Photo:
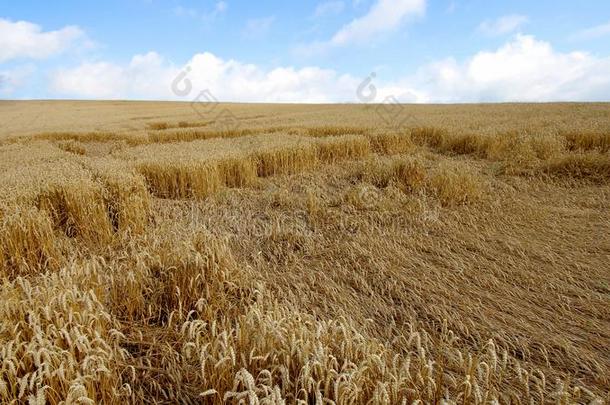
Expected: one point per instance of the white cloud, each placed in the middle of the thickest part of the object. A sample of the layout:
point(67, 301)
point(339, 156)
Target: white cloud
point(150, 77)
point(22, 39)
point(451, 7)
point(329, 8)
point(142, 77)
point(257, 28)
point(384, 16)
point(594, 32)
point(523, 69)
point(503, 25)
point(181, 11)
point(219, 8)
point(12, 79)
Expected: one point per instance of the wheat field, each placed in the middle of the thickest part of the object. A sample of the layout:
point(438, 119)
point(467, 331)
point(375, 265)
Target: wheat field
point(153, 253)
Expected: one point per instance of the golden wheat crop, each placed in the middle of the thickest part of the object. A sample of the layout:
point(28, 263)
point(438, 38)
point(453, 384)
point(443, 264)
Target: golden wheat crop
point(311, 254)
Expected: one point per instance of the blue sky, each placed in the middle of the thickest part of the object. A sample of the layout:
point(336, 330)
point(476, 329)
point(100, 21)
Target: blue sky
point(308, 51)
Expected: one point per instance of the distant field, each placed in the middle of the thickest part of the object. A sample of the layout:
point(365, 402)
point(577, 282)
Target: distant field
point(178, 253)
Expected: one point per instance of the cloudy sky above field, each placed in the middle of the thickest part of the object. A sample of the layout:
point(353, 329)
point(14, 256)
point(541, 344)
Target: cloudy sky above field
point(307, 51)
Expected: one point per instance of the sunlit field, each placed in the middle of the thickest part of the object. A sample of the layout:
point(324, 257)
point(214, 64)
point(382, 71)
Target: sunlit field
point(321, 254)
